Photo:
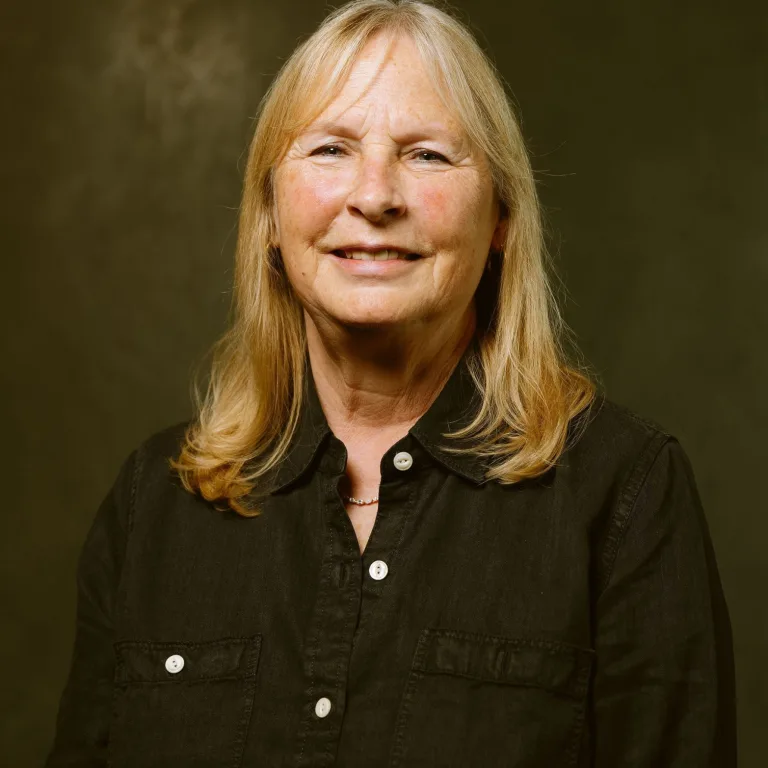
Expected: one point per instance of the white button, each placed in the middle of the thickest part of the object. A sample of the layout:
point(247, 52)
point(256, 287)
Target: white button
point(403, 460)
point(378, 569)
point(174, 663)
point(323, 707)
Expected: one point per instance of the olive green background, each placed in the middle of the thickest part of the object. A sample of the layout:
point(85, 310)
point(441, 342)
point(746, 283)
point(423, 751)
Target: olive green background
point(124, 130)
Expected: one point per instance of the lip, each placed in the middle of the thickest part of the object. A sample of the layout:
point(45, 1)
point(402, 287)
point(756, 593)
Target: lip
point(373, 268)
point(373, 248)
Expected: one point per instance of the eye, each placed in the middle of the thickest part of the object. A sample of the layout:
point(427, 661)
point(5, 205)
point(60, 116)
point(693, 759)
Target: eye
point(328, 150)
point(428, 156)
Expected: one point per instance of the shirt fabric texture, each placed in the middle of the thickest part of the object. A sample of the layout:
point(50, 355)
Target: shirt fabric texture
point(573, 619)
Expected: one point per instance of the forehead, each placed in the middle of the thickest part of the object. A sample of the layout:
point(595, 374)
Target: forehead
point(388, 78)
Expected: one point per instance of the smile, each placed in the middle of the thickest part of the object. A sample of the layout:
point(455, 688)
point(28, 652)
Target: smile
point(377, 255)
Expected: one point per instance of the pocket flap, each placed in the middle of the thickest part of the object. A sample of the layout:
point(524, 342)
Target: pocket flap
point(544, 664)
point(155, 662)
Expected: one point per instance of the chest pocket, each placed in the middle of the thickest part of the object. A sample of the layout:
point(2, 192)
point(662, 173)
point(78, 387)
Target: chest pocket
point(182, 704)
point(479, 701)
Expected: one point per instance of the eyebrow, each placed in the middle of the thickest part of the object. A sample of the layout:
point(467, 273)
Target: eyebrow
point(428, 131)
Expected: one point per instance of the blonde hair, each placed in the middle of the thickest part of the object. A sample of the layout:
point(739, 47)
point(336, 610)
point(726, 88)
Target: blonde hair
point(529, 390)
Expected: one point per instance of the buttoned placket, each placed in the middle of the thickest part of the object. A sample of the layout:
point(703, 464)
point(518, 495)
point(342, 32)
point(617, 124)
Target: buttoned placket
point(350, 586)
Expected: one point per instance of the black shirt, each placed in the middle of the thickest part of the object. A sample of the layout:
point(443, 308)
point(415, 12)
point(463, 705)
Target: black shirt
point(574, 619)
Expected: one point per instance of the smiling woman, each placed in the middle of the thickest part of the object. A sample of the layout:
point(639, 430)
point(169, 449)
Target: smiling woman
point(382, 192)
point(388, 129)
point(402, 529)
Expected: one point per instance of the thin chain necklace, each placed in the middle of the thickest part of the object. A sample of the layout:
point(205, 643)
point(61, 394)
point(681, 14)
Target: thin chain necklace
point(359, 502)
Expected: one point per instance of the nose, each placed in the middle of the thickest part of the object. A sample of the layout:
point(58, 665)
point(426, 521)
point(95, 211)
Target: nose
point(376, 194)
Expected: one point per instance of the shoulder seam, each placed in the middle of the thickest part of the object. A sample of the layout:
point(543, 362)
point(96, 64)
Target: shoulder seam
point(625, 507)
point(648, 423)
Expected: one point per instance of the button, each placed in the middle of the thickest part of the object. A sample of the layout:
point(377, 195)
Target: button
point(322, 707)
point(403, 460)
point(174, 663)
point(378, 570)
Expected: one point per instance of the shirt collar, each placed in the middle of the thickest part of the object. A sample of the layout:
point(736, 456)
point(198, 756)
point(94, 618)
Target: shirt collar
point(451, 410)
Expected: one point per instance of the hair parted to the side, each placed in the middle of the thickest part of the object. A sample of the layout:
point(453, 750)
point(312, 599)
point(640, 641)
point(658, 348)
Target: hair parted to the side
point(530, 388)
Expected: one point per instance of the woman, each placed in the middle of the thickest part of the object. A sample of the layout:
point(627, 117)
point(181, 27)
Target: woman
point(401, 530)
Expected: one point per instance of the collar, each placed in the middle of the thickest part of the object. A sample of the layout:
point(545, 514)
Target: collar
point(451, 410)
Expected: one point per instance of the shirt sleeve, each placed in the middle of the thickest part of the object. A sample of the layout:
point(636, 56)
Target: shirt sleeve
point(82, 725)
point(664, 690)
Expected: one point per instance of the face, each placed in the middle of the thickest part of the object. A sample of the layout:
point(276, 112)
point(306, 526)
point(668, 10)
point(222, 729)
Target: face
point(386, 171)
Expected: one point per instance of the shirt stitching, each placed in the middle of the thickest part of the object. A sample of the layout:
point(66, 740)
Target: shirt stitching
point(626, 507)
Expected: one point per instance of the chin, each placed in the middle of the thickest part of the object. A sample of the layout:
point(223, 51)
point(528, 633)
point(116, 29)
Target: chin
point(370, 319)
point(369, 322)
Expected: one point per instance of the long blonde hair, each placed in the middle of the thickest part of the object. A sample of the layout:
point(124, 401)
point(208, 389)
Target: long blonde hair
point(529, 389)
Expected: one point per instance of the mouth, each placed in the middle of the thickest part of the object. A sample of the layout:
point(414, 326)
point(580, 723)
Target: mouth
point(383, 255)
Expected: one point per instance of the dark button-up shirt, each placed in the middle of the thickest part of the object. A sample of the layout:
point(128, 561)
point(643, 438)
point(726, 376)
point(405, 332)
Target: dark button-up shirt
point(574, 619)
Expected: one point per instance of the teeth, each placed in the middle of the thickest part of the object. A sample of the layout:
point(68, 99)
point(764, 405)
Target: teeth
point(376, 256)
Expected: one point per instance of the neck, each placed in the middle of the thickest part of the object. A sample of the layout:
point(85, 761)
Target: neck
point(382, 381)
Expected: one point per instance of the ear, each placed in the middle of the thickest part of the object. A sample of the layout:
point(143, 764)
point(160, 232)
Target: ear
point(275, 241)
point(499, 237)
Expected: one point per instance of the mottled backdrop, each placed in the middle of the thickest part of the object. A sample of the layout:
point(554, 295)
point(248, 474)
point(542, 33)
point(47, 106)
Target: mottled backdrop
point(125, 125)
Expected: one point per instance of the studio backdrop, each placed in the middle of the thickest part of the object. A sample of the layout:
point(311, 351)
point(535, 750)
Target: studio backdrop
point(125, 125)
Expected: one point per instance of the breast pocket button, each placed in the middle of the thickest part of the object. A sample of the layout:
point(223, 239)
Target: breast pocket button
point(174, 663)
point(322, 707)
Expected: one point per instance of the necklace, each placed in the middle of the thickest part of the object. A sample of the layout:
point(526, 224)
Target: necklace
point(359, 502)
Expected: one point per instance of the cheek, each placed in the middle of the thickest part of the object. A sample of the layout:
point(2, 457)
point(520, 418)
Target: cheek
point(455, 233)
point(434, 201)
point(455, 216)
point(305, 205)
point(444, 218)
point(453, 211)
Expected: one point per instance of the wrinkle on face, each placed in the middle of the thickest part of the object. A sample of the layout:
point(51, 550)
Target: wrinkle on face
point(446, 211)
